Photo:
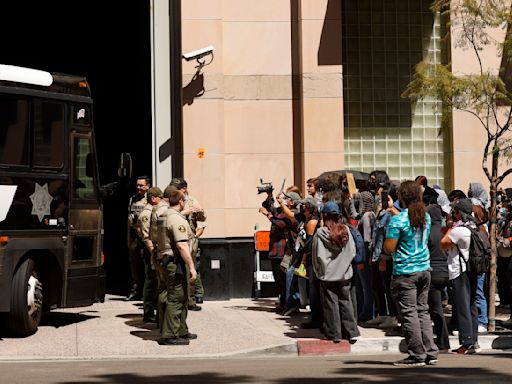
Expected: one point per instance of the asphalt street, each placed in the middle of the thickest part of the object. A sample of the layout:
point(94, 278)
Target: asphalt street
point(484, 368)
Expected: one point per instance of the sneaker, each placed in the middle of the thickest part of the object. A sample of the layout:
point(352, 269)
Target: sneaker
point(293, 309)
point(379, 319)
point(464, 350)
point(390, 322)
point(431, 360)
point(409, 361)
point(189, 336)
point(354, 339)
point(173, 341)
point(482, 328)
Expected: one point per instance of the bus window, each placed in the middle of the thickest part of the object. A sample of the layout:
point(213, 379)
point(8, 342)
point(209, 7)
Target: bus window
point(83, 181)
point(48, 134)
point(13, 131)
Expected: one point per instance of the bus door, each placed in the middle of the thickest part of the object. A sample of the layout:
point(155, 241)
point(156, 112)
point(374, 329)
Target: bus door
point(85, 222)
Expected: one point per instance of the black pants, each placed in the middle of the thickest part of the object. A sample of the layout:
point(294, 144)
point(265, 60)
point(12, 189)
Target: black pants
point(466, 312)
point(437, 287)
point(280, 280)
point(381, 284)
point(503, 273)
point(339, 319)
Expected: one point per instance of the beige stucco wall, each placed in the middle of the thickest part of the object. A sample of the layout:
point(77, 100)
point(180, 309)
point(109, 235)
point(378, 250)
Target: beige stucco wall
point(468, 136)
point(244, 120)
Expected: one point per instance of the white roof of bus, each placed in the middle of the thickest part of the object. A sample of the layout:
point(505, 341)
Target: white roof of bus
point(25, 75)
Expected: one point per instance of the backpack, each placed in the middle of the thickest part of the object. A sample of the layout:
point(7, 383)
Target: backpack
point(479, 252)
point(359, 242)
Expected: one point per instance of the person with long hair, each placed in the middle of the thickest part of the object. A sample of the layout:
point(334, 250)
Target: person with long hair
point(333, 252)
point(407, 242)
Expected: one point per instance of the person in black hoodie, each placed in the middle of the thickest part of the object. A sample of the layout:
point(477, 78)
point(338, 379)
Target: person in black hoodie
point(439, 278)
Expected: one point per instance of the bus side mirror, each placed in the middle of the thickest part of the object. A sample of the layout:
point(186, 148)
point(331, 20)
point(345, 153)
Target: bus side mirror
point(125, 166)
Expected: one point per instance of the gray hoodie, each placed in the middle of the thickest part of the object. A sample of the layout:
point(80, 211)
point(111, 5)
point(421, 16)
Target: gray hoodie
point(330, 262)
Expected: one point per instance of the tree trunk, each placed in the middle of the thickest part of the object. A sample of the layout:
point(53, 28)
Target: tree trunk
point(492, 270)
point(492, 237)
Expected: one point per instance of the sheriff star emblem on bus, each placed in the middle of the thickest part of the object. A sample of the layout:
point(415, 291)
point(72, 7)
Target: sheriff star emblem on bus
point(41, 201)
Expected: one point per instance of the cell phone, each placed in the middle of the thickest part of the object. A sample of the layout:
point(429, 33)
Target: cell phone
point(384, 199)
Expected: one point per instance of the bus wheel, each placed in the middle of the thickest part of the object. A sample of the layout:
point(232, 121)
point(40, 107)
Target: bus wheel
point(26, 300)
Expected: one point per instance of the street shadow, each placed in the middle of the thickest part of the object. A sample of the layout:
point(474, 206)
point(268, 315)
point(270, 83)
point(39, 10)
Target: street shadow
point(62, 319)
point(373, 372)
point(202, 377)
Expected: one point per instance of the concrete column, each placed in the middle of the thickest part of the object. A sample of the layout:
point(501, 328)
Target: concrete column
point(321, 79)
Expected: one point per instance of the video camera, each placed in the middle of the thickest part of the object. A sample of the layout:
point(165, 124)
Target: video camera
point(265, 187)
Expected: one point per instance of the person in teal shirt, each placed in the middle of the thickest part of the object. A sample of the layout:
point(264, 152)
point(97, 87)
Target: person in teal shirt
point(407, 242)
point(411, 253)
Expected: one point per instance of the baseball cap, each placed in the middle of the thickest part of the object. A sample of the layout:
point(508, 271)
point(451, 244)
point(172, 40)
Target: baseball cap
point(331, 208)
point(154, 192)
point(465, 207)
point(293, 196)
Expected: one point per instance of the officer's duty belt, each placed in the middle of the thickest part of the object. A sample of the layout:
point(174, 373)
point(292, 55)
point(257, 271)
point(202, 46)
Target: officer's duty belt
point(168, 259)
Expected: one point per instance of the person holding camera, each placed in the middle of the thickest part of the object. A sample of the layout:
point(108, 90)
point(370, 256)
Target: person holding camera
point(305, 221)
point(280, 246)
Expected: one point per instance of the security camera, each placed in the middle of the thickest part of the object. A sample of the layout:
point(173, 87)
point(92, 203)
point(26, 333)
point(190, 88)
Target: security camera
point(198, 53)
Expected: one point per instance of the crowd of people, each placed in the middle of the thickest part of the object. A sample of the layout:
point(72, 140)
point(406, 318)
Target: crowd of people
point(163, 232)
point(391, 255)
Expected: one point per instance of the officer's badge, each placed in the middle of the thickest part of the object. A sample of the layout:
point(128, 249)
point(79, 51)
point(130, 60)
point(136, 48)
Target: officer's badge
point(181, 228)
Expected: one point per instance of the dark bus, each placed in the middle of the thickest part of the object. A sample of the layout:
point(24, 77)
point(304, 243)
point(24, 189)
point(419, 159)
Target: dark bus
point(51, 218)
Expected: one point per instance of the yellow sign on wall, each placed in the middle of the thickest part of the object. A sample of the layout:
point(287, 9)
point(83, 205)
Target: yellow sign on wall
point(200, 153)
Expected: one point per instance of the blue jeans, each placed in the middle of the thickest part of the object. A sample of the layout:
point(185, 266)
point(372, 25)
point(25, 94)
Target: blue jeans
point(365, 303)
point(481, 301)
point(296, 289)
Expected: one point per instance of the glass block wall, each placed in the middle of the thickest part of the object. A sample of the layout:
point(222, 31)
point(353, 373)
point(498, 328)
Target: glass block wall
point(383, 40)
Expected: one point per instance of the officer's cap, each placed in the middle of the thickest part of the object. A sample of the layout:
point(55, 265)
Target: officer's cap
point(154, 192)
point(179, 182)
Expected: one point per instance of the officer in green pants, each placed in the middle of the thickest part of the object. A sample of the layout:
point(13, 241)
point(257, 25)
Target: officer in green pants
point(176, 260)
point(196, 217)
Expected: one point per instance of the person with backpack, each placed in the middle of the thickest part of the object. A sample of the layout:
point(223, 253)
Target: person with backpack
point(333, 251)
point(460, 240)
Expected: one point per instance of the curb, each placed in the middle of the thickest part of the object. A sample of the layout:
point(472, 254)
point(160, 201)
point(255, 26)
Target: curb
point(297, 348)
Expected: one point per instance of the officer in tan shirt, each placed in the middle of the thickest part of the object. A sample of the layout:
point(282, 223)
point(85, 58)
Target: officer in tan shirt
point(148, 235)
point(196, 217)
point(174, 255)
point(135, 245)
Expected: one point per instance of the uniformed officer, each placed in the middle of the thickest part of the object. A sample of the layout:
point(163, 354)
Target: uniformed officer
point(174, 255)
point(135, 245)
point(197, 220)
point(148, 231)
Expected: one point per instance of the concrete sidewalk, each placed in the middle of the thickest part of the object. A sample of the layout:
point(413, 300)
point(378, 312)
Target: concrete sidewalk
point(238, 327)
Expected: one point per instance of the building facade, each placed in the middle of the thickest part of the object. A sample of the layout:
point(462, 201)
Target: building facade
point(299, 87)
